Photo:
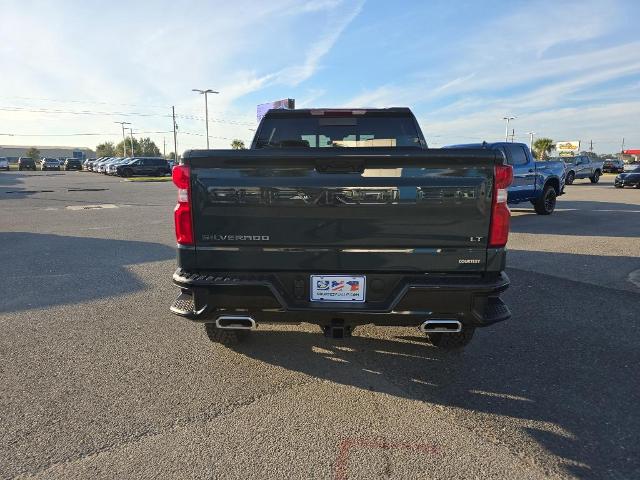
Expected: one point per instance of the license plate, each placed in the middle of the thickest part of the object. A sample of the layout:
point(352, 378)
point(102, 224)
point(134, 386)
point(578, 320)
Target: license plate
point(337, 288)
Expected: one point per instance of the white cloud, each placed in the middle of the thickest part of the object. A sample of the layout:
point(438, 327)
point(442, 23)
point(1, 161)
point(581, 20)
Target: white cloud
point(154, 57)
point(295, 75)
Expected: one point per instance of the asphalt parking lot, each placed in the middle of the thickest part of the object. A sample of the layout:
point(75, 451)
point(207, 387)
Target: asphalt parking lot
point(99, 380)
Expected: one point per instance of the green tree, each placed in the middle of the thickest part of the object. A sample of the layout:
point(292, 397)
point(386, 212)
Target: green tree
point(143, 147)
point(543, 146)
point(106, 149)
point(172, 155)
point(123, 149)
point(237, 144)
point(148, 148)
point(34, 153)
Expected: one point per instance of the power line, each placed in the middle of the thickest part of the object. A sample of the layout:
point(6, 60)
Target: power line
point(113, 134)
point(90, 102)
point(126, 114)
point(84, 102)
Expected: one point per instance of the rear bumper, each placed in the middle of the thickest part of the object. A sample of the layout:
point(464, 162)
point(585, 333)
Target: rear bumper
point(392, 299)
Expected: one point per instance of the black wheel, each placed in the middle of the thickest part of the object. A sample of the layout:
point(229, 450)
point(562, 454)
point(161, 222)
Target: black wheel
point(160, 173)
point(19, 169)
point(570, 178)
point(596, 177)
point(547, 201)
point(225, 336)
point(127, 172)
point(617, 186)
point(451, 341)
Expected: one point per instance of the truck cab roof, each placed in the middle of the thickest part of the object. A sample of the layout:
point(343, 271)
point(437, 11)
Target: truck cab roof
point(486, 145)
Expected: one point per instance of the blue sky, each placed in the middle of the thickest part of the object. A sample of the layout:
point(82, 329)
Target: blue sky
point(566, 70)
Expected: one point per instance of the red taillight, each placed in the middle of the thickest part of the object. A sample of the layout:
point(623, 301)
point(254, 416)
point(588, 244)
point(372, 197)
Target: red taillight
point(182, 212)
point(180, 176)
point(500, 214)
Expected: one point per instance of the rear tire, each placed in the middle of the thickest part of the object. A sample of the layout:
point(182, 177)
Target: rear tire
point(546, 204)
point(570, 178)
point(596, 177)
point(451, 341)
point(127, 173)
point(225, 336)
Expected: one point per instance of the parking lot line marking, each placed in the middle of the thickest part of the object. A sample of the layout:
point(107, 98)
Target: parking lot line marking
point(621, 211)
point(91, 207)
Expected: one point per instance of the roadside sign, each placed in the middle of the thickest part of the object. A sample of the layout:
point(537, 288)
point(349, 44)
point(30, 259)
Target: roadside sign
point(568, 148)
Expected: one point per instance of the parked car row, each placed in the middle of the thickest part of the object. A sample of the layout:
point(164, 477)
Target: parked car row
point(129, 166)
point(4, 163)
point(28, 163)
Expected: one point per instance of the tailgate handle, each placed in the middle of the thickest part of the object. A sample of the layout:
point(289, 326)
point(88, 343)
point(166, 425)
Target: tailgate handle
point(340, 166)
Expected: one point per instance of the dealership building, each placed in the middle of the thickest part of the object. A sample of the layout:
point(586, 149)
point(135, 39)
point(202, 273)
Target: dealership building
point(631, 156)
point(13, 152)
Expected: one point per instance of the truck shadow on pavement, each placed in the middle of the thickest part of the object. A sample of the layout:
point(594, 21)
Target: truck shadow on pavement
point(581, 218)
point(44, 270)
point(11, 186)
point(556, 371)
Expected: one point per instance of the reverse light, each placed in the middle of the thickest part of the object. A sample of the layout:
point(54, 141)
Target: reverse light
point(500, 213)
point(182, 213)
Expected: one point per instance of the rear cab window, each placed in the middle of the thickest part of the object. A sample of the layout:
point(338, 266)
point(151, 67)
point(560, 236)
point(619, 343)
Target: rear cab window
point(517, 156)
point(333, 131)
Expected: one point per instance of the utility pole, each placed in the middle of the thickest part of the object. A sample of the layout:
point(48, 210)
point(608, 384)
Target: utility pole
point(506, 129)
point(531, 134)
point(175, 136)
point(591, 145)
point(206, 108)
point(164, 147)
point(622, 146)
point(513, 134)
point(132, 151)
point(124, 142)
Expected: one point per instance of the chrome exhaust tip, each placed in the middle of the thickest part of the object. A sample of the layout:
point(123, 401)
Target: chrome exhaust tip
point(441, 326)
point(234, 322)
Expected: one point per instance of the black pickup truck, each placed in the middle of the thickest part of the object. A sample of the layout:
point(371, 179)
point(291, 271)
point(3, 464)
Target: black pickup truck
point(342, 218)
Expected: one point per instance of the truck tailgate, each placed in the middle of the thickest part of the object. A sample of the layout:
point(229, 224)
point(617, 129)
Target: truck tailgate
point(328, 211)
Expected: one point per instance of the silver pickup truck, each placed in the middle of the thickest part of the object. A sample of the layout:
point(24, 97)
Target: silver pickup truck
point(582, 166)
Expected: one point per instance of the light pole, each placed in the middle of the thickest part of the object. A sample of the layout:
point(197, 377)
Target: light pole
point(206, 108)
point(531, 134)
point(124, 143)
point(175, 135)
point(506, 130)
